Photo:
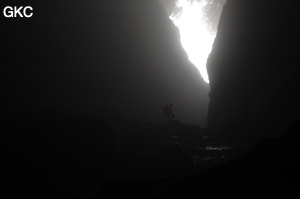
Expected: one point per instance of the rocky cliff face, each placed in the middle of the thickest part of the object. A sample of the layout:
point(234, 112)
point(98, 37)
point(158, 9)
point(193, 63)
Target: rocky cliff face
point(254, 70)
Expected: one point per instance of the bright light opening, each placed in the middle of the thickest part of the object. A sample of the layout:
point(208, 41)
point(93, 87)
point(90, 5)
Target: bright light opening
point(195, 36)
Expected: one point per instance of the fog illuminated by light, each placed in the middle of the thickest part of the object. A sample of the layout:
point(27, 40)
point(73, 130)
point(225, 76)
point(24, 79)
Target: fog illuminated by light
point(195, 36)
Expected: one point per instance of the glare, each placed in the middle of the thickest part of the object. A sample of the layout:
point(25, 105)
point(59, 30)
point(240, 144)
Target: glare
point(195, 36)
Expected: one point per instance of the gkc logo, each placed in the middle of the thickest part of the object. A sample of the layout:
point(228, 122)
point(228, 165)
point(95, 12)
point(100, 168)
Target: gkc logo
point(15, 11)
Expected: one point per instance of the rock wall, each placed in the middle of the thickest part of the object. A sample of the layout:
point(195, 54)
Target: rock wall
point(254, 70)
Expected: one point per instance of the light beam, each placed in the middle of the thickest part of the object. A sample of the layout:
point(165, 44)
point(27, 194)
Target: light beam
point(196, 39)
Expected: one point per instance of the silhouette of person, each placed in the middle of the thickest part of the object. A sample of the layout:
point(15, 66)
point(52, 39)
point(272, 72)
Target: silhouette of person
point(168, 111)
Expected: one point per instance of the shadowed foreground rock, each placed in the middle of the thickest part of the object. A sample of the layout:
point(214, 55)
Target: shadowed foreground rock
point(53, 154)
point(269, 170)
